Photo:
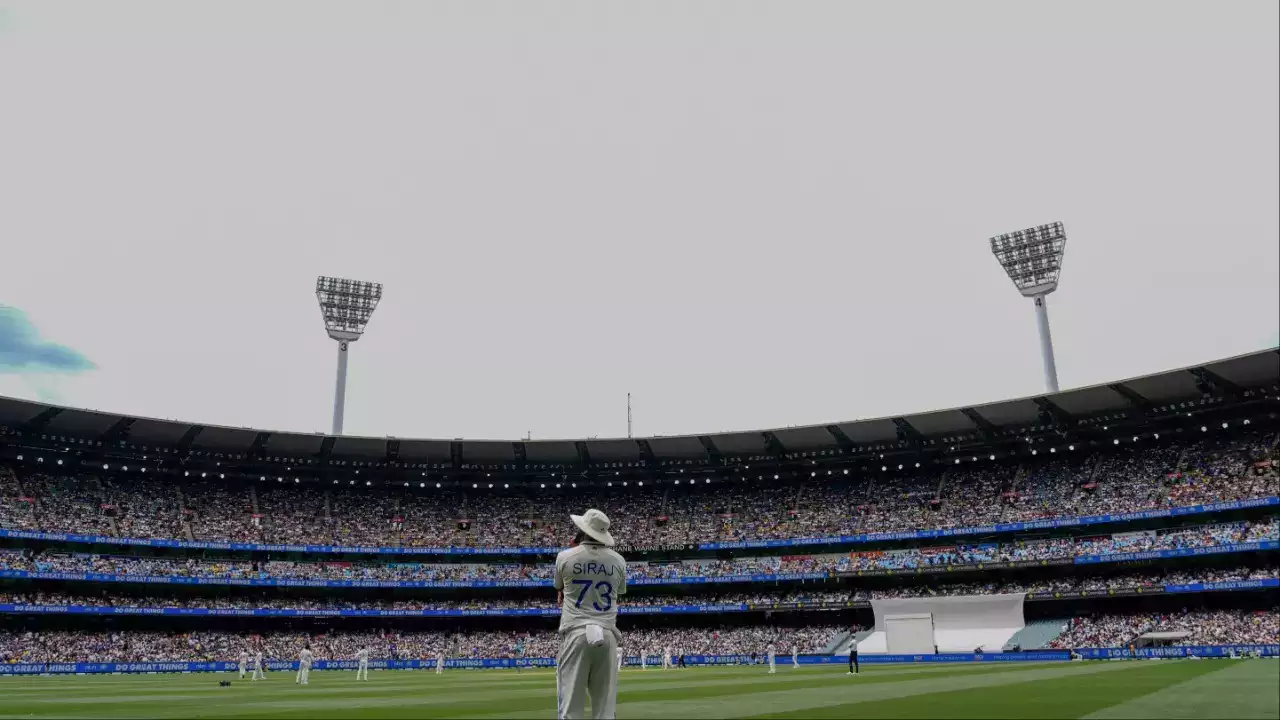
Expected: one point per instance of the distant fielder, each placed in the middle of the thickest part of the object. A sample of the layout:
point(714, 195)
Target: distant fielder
point(795, 657)
point(258, 673)
point(773, 657)
point(589, 579)
point(244, 662)
point(304, 665)
point(362, 664)
point(440, 664)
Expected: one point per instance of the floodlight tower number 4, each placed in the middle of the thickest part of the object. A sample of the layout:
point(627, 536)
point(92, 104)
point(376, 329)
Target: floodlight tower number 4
point(1033, 260)
point(346, 306)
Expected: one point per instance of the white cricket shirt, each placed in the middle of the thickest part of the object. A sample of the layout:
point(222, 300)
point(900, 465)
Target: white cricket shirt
point(592, 577)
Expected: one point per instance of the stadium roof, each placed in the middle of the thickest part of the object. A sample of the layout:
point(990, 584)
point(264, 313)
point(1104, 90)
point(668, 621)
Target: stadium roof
point(1238, 376)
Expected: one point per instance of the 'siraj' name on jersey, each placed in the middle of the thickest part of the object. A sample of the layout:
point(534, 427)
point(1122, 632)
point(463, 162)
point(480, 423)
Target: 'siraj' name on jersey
point(594, 568)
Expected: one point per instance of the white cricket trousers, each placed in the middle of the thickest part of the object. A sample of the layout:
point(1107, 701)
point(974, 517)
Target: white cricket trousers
point(362, 670)
point(304, 674)
point(258, 674)
point(583, 669)
point(241, 671)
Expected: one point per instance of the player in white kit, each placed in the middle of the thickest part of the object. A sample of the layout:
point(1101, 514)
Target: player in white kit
point(440, 664)
point(590, 578)
point(795, 656)
point(362, 664)
point(304, 665)
point(666, 658)
point(258, 673)
point(773, 656)
point(244, 662)
point(620, 656)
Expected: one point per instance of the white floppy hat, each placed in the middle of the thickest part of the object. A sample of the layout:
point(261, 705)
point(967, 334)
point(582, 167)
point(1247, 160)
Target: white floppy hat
point(595, 524)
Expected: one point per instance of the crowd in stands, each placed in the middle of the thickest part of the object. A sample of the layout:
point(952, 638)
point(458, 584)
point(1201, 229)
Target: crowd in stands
point(142, 646)
point(1208, 468)
point(1193, 537)
point(1212, 627)
point(803, 596)
point(1208, 627)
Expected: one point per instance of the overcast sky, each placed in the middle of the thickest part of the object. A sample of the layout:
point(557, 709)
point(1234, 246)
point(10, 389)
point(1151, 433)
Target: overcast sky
point(747, 214)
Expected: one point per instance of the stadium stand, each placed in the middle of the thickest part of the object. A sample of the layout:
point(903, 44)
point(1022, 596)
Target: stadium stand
point(1130, 519)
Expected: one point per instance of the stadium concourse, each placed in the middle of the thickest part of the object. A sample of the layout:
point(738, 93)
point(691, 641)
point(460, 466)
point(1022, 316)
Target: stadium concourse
point(1141, 518)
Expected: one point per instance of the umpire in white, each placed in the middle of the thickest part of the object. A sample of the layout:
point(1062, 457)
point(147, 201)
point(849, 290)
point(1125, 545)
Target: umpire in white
point(589, 577)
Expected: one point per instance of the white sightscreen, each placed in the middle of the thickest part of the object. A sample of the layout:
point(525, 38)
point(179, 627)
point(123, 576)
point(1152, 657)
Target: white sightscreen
point(909, 634)
point(960, 624)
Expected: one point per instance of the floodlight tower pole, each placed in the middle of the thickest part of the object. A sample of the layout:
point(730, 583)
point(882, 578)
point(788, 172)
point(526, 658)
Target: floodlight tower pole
point(340, 388)
point(1033, 260)
point(1046, 343)
point(346, 306)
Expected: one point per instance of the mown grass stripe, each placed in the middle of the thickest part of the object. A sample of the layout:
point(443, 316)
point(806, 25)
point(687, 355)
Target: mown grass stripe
point(1240, 689)
point(758, 698)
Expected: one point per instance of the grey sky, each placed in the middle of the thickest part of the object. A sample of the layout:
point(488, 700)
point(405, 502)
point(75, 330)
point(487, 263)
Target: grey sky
point(748, 214)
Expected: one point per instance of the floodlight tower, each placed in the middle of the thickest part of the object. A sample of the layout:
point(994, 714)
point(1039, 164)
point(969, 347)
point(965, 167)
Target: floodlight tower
point(346, 306)
point(1033, 259)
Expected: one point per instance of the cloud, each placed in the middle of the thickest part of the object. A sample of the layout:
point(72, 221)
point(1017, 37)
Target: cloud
point(23, 351)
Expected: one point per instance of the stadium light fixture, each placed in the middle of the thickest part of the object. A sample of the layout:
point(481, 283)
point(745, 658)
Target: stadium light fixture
point(1032, 259)
point(346, 306)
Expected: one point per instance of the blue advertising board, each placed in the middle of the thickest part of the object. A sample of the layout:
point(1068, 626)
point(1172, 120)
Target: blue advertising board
point(1208, 651)
point(690, 580)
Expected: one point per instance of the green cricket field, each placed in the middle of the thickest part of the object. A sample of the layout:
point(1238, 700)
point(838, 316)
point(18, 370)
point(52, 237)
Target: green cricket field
point(1165, 689)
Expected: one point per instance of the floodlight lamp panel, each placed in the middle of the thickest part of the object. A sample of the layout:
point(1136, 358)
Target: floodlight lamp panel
point(1032, 258)
point(346, 305)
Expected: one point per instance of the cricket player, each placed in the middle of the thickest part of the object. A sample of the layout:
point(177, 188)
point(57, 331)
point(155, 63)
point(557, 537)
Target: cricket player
point(440, 664)
point(244, 662)
point(304, 665)
point(795, 657)
point(362, 664)
point(258, 673)
point(589, 579)
point(620, 657)
point(773, 656)
point(666, 657)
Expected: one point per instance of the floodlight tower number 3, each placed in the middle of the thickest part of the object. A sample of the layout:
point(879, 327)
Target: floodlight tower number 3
point(1033, 260)
point(346, 306)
